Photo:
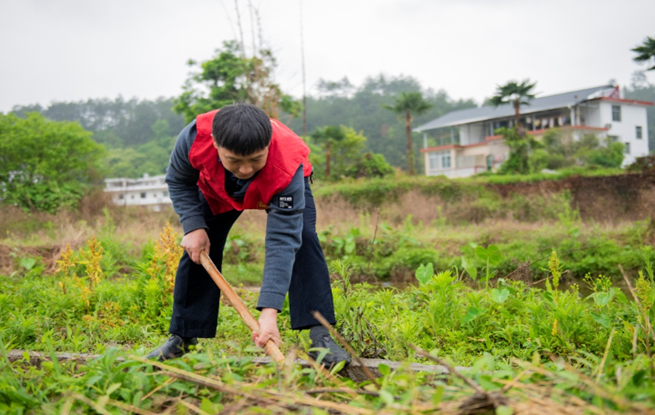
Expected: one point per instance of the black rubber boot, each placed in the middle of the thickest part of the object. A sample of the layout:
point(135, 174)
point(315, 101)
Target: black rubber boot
point(321, 339)
point(174, 347)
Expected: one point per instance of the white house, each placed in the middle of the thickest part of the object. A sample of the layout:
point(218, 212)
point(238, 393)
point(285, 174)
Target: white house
point(150, 191)
point(462, 143)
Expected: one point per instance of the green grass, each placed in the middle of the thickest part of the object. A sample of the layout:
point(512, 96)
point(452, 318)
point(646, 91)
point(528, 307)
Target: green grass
point(120, 383)
point(383, 252)
point(536, 177)
point(495, 331)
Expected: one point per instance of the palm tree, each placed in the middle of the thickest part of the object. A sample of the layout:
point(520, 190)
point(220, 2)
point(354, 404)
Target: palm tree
point(406, 105)
point(646, 52)
point(516, 94)
point(325, 137)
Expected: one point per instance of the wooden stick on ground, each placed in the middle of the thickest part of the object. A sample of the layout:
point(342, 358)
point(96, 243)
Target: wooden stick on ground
point(450, 368)
point(270, 347)
point(265, 397)
point(602, 362)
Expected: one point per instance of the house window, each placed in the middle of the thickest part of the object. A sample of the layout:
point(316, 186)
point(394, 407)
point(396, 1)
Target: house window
point(439, 160)
point(613, 138)
point(433, 161)
point(616, 113)
point(143, 195)
point(120, 196)
point(445, 159)
point(626, 150)
point(638, 131)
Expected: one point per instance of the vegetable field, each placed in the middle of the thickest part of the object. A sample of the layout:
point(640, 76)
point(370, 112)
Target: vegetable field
point(552, 316)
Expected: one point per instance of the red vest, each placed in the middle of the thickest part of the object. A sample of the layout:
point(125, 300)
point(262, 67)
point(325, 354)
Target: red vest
point(286, 153)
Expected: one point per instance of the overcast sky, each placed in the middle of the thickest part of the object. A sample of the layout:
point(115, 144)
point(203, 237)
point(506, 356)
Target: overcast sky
point(70, 50)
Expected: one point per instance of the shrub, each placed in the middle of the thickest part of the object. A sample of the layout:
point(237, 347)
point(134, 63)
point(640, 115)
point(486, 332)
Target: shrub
point(45, 165)
point(370, 165)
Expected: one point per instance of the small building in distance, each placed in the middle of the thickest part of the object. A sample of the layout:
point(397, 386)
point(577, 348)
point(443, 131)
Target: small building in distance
point(146, 191)
point(463, 143)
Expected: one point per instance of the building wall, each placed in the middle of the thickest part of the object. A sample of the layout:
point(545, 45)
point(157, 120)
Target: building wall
point(146, 191)
point(631, 117)
point(434, 162)
point(471, 133)
point(466, 161)
point(150, 196)
point(592, 114)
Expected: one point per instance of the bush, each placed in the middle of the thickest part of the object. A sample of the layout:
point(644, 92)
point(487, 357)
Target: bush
point(610, 156)
point(370, 165)
point(45, 165)
point(562, 150)
point(644, 164)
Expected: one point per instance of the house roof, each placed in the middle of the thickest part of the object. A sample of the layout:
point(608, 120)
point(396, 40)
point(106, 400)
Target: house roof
point(470, 115)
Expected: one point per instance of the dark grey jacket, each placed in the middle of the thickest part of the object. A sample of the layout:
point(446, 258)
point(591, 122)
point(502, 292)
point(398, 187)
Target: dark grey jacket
point(283, 227)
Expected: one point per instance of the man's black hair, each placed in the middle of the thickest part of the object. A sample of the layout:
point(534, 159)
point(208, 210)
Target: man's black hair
point(242, 129)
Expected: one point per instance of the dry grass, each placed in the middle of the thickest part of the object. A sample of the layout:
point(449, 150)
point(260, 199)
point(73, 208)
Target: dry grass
point(46, 235)
point(336, 211)
point(434, 222)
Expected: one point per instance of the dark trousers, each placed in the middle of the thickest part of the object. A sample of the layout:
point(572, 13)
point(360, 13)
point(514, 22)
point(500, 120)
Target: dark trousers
point(196, 296)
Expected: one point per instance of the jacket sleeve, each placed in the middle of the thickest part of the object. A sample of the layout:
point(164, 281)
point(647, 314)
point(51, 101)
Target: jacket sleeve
point(283, 239)
point(182, 179)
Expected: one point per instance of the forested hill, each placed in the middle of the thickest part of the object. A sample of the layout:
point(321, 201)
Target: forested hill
point(139, 134)
point(115, 123)
point(362, 108)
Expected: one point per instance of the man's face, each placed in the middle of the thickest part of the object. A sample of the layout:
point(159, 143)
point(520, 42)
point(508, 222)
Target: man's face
point(243, 167)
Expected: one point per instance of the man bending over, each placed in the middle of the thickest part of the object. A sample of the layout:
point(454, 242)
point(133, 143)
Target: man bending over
point(226, 161)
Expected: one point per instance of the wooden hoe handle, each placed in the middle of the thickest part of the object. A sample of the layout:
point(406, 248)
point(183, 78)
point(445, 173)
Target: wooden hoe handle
point(270, 347)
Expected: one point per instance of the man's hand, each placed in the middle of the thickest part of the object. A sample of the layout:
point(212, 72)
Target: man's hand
point(268, 328)
point(194, 242)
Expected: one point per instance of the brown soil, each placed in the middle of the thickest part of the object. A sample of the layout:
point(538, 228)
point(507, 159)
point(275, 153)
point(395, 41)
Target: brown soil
point(605, 198)
point(48, 254)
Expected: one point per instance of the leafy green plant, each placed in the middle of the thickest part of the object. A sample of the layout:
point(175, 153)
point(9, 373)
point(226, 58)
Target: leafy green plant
point(28, 266)
point(491, 255)
point(424, 273)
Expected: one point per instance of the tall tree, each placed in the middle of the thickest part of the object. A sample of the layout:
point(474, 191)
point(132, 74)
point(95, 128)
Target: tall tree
point(230, 76)
point(340, 146)
point(646, 52)
point(326, 137)
point(517, 94)
point(407, 105)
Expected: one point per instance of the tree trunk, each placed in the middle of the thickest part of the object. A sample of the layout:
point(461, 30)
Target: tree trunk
point(327, 159)
point(517, 116)
point(410, 153)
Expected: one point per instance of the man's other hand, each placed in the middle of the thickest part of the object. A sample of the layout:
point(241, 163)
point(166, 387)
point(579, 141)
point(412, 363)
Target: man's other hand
point(267, 328)
point(194, 242)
